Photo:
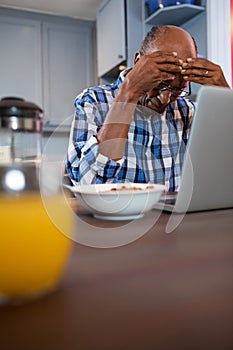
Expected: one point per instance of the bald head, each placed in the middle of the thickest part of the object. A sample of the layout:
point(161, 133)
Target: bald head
point(169, 38)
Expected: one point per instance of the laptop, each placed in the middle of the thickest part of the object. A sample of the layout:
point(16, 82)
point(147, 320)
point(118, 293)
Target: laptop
point(207, 173)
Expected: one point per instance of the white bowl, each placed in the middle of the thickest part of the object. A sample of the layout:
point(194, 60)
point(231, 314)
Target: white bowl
point(121, 201)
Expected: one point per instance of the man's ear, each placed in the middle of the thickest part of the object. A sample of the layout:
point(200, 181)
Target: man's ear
point(137, 57)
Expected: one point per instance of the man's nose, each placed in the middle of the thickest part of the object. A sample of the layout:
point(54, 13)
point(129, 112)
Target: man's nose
point(164, 96)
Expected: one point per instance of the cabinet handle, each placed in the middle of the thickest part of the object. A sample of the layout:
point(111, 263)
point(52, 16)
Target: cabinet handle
point(120, 56)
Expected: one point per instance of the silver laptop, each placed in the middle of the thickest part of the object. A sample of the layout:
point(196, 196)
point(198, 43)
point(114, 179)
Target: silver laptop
point(207, 174)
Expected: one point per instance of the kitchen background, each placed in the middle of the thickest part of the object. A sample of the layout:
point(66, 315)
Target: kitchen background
point(51, 51)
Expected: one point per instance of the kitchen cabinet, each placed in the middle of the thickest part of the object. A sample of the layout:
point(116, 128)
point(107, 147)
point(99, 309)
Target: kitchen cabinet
point(68, 67)
point(119, 35)
point(46, 59)
point(20, 59)
point(111, 36)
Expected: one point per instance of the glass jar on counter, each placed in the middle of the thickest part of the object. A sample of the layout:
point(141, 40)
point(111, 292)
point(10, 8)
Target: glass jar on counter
point(20, 130)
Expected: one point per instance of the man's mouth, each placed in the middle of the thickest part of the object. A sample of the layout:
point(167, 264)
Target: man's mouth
point(155, 101)
point(156, 104)
point(160, 98)
point(165, 99)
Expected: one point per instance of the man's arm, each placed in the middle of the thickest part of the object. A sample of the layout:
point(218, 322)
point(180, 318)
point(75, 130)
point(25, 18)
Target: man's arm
point(85, 164)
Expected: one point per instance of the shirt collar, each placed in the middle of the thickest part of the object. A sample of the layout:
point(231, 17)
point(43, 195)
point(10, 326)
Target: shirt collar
point(122, 76)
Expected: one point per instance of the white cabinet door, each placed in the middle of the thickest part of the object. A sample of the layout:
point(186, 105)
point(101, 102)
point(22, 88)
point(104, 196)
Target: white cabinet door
point(20, 59)
point(68, 68)
point(111, 36)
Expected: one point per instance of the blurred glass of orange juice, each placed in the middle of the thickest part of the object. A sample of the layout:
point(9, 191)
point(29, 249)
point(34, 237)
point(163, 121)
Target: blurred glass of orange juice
point(33, 250)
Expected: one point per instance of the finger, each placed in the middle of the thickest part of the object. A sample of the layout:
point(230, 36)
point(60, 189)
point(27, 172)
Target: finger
point(166, 76)
point(201, 79)
point(205, 73)
point(162, 77)
point(165, 57)
point(169, 67)
point(199, 63)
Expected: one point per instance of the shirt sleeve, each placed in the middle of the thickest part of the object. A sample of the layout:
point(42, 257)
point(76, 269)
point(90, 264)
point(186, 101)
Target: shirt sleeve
point(85, 164)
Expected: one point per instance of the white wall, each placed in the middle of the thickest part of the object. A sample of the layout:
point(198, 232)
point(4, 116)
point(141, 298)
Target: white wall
point(219, 34)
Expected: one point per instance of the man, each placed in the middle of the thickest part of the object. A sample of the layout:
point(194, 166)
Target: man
point(136, 129)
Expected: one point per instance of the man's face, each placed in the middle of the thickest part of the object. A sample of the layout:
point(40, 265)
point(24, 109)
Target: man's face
point(164, 93)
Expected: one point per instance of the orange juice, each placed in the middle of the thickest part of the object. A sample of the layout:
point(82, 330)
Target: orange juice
point(33, 251)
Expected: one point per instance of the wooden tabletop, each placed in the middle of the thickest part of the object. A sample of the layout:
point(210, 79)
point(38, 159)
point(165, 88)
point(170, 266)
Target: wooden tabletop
point(162, 291)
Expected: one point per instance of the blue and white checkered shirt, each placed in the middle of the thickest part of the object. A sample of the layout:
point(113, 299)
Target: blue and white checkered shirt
point(155, 146)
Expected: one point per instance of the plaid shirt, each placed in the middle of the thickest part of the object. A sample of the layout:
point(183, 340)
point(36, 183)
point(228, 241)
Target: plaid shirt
point(155, 146)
